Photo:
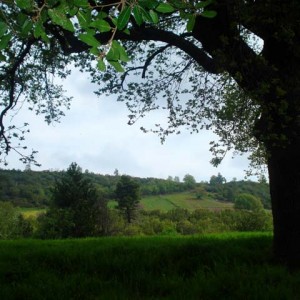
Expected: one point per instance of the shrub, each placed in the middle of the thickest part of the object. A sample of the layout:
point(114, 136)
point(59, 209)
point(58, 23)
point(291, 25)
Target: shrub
point(186, 227)
point(248, 202)
point(55, 224)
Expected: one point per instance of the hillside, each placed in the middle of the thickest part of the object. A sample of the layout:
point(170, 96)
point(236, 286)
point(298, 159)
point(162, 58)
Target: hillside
point(33, 189)
point(187, 200)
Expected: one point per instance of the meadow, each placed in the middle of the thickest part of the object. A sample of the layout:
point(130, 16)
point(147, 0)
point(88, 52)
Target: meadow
point(186, 200)
point(221, 266)
point(31, 212)
point(164, 203)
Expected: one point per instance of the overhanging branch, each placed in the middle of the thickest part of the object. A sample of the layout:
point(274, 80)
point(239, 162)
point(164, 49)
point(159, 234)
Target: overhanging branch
point(11, 74)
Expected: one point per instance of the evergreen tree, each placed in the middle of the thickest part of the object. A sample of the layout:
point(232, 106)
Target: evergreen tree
point(128, 196)
point(75, 193)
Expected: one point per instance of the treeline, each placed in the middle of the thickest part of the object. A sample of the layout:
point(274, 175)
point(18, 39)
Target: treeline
point(59, 223)
point(34, 188)
point(79, 209)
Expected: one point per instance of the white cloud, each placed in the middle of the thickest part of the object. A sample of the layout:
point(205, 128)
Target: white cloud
point(94, 133)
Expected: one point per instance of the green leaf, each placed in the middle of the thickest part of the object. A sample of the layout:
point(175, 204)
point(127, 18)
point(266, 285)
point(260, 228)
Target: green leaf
point(95, 51)
point(165, 8)
point(4, 41)
point(81, 3)
point(115, 21)
point(146, 16)
point(116, 65)
point(154, 16)
point(58, 17)
point(123, 18)
point(117, 52)
point(102, 15)
point(84, 18)
point(101, 65)
point(209, 13)
point(2, 57)
point(27, 26)
point(127, 31)
point(101, 25)
point(38, 30)
point(3, 28)
point(113, 53)
point(149, 4)
point(89, 39)
point(191, 23)
point(123, 56)
point(137, 14)
point(203, 4)
point(24, 4)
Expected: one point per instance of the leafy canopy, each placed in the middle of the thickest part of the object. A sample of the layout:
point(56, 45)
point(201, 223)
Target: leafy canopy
point(42, 40)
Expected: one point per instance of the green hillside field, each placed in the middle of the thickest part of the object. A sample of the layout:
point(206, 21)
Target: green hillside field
point(186, 200)
point(182, 200)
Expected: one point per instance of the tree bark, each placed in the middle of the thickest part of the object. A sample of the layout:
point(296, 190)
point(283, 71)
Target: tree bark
point(281, 136)
point(284, 174)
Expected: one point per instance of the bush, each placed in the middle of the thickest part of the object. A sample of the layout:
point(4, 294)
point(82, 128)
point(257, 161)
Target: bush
point(186, 227)
point(248, 202)
point(57, 223)
point(132, 229)
point(8, 221)
point(254, 221)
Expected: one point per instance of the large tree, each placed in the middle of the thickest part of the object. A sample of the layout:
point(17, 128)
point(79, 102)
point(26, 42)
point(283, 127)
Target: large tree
point(198, 55)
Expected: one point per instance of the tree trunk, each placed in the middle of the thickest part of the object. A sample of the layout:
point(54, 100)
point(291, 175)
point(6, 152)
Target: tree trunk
point(284, 174)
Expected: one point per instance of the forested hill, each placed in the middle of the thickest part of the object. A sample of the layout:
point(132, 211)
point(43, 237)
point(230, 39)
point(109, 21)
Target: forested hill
point(33, 188)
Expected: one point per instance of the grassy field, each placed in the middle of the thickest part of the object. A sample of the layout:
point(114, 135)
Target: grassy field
point(182, 200)
point(31, 212)
point(227, 266)
point(164, 203)
point(185, 200)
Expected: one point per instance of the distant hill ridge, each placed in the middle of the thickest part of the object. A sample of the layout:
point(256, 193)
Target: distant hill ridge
point(33, 188)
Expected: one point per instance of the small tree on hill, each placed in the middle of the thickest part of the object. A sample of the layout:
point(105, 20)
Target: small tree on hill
point(128, 196)
point(189, 181)
point(217, 180)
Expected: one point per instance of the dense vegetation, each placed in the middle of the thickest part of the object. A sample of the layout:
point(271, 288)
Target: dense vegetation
point(33, 188)
point(79, 207)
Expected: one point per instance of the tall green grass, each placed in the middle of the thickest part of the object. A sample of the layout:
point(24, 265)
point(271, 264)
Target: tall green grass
point(227, 266)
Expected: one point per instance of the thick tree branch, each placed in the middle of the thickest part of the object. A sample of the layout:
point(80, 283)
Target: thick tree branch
point(154, 34)
point(222, 40)
point(71, 44)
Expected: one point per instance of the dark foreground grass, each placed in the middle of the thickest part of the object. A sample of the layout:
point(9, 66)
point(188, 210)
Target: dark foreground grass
point(231, 266)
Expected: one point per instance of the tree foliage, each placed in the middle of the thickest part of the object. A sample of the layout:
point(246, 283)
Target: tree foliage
point(189, 181)
point(12, 223)
point(128, 196)
point(248, 202)
point(75, 201)
point(72, 188)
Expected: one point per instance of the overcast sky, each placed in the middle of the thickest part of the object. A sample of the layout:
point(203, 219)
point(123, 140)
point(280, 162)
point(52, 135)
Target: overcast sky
point(94, 133)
